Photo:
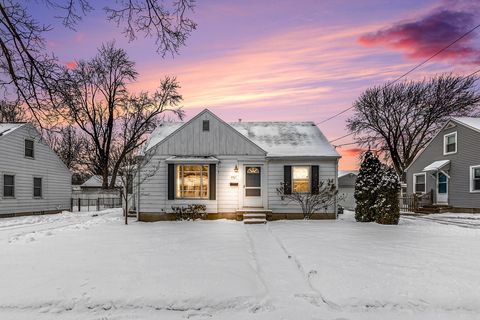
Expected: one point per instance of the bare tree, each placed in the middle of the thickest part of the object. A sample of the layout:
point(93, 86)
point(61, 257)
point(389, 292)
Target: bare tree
point(25, 69)
point(311, 202)
point(168, 25)
point(95, 98)
point(128, 171)
point(69, 145)
point(400, 119)
point(11, 111)
point(28, 70)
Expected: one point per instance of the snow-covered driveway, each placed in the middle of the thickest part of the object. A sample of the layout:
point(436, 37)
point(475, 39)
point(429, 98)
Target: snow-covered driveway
point(76, 266)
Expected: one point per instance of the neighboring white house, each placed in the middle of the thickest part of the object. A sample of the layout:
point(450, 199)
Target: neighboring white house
point(232, 168)
point(346, 188)
point(33, 179)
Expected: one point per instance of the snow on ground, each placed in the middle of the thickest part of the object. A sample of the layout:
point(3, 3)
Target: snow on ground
point(80, 266)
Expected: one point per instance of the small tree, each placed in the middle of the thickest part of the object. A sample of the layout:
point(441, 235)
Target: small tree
point(387, 203)
point(311, 202)
point(366, 190)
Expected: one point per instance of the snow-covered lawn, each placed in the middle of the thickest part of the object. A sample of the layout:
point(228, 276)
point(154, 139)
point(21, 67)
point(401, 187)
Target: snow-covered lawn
point(79, 266)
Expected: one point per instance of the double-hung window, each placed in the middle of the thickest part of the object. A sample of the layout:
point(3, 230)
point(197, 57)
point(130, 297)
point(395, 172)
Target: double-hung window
point(475, 178)
point(8, 186)
point(450, 143)
point(192, 181)
point(419, 183)
point(29, 149)
point(37, 187)
point(301, 179)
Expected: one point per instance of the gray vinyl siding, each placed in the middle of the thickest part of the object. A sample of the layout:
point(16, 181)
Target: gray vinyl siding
point(468, 154)
point(56, 178)
point(347, 180)
point(327, 170)
point(221, 139)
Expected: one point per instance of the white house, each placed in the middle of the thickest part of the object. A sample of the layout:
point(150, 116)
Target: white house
point(33, 179)
point(232, 168)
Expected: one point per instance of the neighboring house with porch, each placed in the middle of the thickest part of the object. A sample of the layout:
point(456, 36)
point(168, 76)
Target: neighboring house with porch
point(346, 188)
point(232, 168)
point(448, 169)
point(33, 179)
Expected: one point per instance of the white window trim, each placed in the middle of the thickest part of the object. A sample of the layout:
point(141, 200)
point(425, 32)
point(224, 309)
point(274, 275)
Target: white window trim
point(207, 197)
point(471, 179)
point(309, 178)
point(445, 143)
point(415, 182)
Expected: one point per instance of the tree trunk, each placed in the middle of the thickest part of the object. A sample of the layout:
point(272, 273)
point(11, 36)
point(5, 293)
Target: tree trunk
point(126, 202)
point(105, 178)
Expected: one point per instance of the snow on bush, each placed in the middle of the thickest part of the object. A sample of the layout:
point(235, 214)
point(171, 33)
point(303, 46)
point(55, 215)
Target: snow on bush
point(366, 191)
point(387, 204)
point(190, 212)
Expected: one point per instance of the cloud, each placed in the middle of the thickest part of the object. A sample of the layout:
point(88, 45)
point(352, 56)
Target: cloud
point(293, 69)
point(71, 65)
point(423, 37)
point(351, 152)
point(79, 38)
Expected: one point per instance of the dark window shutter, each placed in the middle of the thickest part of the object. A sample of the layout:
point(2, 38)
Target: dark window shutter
point(287, 179)
point(212, 177)
point(171, 181)
point(315, 180)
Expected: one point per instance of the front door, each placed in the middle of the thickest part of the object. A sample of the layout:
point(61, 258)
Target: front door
point(253, 186)
point(442, 188)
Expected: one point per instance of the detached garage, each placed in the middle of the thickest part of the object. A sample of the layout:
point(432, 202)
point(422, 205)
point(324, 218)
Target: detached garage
point(346, 188)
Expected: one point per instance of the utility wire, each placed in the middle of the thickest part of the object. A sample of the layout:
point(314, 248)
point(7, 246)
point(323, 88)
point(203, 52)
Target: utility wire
point(351, 133)
point(411, 70)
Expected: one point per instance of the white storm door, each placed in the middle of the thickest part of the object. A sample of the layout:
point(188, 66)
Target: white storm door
point(253, 186)
point(442, 188)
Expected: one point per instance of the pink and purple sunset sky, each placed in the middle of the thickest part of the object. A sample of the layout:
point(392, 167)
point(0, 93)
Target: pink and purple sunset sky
point(277, 60)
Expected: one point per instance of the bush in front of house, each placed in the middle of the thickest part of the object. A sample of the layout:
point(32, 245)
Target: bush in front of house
point(322, 197)
point(387, 204)
point(190, 212)
point(366, 188)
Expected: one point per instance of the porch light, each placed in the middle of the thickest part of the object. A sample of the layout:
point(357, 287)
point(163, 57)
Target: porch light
point(235, 169)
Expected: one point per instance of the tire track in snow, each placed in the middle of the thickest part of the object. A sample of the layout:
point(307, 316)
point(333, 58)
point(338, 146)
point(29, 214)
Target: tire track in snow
point(258, 269)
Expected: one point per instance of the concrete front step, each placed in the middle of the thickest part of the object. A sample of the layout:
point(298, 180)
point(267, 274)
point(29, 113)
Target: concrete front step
point(254, 221)
point(254, 216)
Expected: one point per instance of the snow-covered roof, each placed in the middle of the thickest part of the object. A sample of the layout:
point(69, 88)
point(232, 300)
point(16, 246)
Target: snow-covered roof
point(277, 138)
point(342, 173)
point(96, 182)
point(287, 138)
point(163, 130)
point(8, 127)
point(436, 165)
point(469, 121)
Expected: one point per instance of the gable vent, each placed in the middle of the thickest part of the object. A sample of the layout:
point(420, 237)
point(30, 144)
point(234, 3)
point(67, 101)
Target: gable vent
point(206, 125)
